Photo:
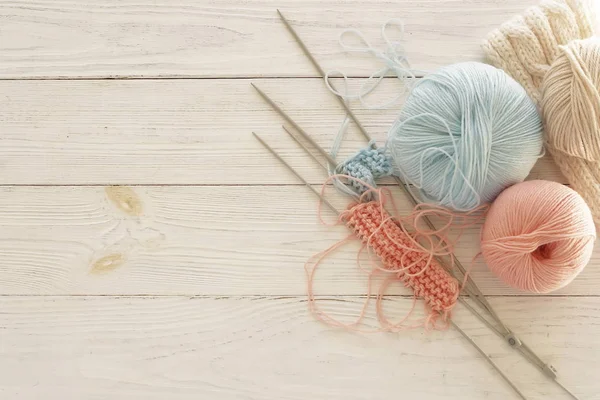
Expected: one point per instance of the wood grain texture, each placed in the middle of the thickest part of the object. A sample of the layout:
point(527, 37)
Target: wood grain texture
point(174, 131)
point(271, 348)
point(201, 38)
point(189, 283)
point(191, 241)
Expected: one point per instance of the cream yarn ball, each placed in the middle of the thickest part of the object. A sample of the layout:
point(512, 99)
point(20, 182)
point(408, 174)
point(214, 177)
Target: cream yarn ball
point(571, 112)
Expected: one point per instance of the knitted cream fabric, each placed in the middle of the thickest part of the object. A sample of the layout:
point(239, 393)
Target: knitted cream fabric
point(550, 51)
point(571, 111)
point(528, 44)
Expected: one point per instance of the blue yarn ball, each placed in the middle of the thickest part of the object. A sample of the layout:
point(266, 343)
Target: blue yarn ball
point(466, 133)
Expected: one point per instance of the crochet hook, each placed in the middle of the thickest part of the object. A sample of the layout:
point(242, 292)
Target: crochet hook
point(463, 333)
point(506, 333)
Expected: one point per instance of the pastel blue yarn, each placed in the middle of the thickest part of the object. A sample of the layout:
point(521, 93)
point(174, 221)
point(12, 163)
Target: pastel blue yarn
point(368, 164)
point(465, 133)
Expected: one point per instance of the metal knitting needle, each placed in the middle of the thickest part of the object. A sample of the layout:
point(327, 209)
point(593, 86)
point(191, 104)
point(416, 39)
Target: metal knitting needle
point(290, 120)
point(463, 333)
point(298, 128)
point(319, 69)
point(523, 348)
point(489, 360)
point(304, 147)
point(512, 340)
point(308, 185)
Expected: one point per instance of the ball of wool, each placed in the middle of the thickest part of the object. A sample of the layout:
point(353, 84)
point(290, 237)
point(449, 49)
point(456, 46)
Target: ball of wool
point(537, 236)
point(571, 111)
point(465, 133)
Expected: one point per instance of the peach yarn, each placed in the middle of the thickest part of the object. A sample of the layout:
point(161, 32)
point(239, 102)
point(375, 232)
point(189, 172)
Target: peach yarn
point(422, 273)
point(399, 255)
point(538, 236)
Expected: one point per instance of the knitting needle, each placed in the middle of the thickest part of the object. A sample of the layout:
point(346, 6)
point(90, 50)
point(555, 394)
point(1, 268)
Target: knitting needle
point(302, 132)
point(489, 360)
point(308, 185)
point(463, 333)
point(319, 69)
point(291, 121)
point(525, 351)
point(482, 300)
point(304, 147)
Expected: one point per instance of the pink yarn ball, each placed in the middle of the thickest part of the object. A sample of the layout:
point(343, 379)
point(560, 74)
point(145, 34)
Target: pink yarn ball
point(538, 236)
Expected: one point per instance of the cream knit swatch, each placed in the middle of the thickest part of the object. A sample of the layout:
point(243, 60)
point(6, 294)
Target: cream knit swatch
point(571, 112)
point(551, 51)
point(528, 44)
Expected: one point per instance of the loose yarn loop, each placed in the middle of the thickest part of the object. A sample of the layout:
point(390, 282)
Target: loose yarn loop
point(395, 63)
point(527, 45)
point(538, 236)
point(367, 165)
point(571, 110)
point(465, 133)
point(406, 257)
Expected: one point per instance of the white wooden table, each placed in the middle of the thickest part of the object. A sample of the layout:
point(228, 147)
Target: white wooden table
point(188, 282)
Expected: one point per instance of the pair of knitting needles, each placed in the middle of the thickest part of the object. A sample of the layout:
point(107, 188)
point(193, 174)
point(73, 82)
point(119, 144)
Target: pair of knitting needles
point(470, 287)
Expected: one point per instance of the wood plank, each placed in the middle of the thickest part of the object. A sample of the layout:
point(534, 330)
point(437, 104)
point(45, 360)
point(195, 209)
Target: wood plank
point(271, 348)
point(243, 240)
point(174, 132)
point(201, 38)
